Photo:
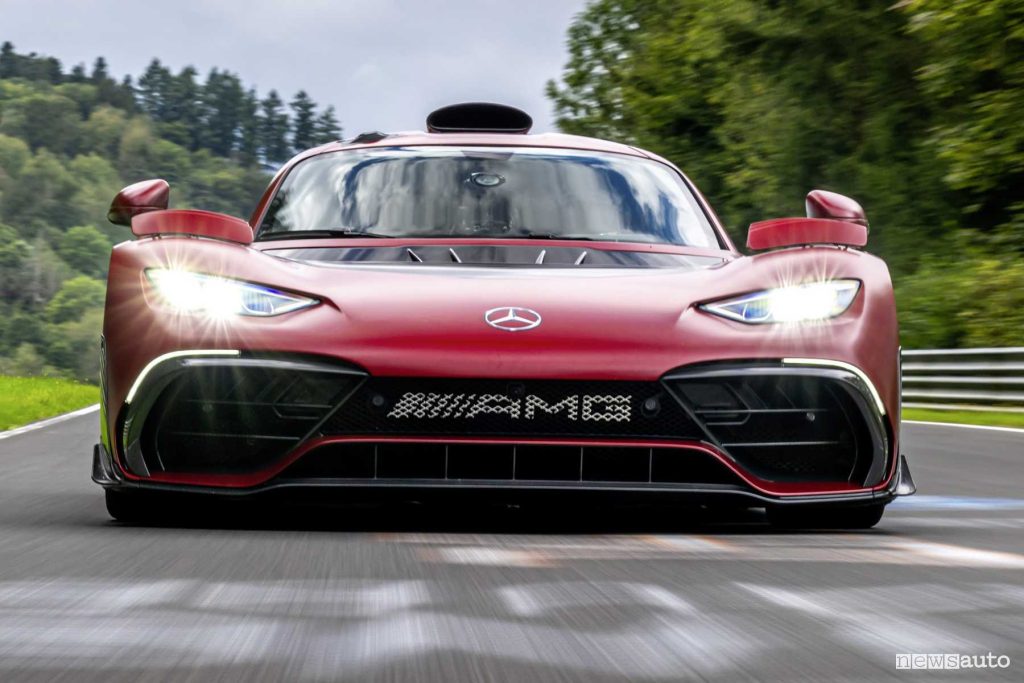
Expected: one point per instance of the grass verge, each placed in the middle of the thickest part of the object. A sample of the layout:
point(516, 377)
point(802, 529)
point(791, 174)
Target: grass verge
point(27, 399)
point(970, 417)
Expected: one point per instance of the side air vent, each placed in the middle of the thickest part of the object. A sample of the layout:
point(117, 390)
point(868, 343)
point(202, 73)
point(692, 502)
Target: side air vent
point(787, 424)
point(479, 117)
point(239, 415)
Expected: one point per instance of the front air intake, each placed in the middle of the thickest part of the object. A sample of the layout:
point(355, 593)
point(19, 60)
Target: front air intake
point(479, 117)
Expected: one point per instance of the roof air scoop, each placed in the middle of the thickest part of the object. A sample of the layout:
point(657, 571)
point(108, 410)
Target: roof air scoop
point(479, 117)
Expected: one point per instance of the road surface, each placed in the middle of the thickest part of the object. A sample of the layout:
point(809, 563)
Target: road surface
point(428, 594)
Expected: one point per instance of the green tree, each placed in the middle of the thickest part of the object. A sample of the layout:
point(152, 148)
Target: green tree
point(101, 133)
point(182, 110)
point(42, 120)
point(274, 128)
point(75, 296)
point(73, 345)
point(98, 183)
point(42, 275)
point(223, 101)
point(77, 74)
point(249, 133)
point(602, 44)
point(303, 121)
point(13, 155)
point(326, 127)
point(14, 252)
point(974, 70)
point(40, 195)
point(23, 328)
point(153, 88)
point(85, 249)
point(85, 95)
point(8, 60)
point(25, 361)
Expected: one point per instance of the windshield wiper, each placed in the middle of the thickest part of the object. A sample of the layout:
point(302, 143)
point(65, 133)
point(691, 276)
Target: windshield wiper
point(306, 234)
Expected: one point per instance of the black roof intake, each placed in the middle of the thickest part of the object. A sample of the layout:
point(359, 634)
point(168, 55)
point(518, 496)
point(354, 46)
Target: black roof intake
point(479, 117)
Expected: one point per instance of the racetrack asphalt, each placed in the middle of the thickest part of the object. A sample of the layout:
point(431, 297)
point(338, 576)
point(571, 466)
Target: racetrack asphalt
point(428, 593)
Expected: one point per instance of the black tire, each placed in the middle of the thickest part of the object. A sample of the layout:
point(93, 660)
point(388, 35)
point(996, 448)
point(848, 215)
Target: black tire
point(803, 517)
point(129, 507)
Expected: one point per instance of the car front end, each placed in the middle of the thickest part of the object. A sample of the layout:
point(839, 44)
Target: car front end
point(488, 360)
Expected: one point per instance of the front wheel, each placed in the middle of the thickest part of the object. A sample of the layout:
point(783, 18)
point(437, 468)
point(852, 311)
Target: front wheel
point(805, 517)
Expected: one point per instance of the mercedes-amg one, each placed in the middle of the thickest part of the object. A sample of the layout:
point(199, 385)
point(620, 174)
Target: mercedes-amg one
point(476, 307)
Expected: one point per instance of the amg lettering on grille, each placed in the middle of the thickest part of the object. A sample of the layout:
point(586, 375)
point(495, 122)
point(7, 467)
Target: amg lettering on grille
point(583, 407)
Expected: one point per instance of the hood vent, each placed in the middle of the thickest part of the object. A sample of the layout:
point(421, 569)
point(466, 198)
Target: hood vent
point(479, 117)
point(466, 255)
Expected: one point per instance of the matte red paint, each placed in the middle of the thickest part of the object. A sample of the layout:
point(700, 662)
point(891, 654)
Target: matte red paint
point(792, 232)
point(825, 204)
point(420, 320)
point(216, 226)
point(138, 198)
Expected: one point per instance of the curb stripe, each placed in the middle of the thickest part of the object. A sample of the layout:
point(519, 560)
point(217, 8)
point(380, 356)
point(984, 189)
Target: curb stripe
point(1014, 430)
point(49, 421)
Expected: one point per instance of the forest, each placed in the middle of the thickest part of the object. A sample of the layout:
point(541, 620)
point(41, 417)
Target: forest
point(70, 139)
point(913, 107)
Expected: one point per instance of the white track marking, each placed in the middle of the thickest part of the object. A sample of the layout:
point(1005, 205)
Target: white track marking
point(536, 600)
point(865, 549)
point(919, 617)
point(49, 422)
point(349, 598)
point(957, 424)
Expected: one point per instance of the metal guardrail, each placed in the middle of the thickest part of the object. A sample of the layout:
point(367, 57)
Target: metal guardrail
point(966, 379)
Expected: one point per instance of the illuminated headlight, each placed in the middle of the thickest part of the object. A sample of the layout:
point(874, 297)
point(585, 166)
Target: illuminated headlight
point(220, 297)
point(794, 304)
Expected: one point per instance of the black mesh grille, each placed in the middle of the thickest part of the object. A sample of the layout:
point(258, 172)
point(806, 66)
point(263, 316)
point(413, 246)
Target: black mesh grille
point(784, 427)
point(509, 463)
point(454, 407)
point(233, 419)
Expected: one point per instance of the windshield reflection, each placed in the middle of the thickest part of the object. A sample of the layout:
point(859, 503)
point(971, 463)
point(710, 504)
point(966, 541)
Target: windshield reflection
point(490, 192)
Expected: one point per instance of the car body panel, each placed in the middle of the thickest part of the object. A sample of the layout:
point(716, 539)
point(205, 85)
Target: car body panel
point(427, 320)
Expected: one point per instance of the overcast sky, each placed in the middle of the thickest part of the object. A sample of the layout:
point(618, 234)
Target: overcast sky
point(383, 64)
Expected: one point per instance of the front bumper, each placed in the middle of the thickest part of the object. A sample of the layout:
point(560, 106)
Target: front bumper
point(758, 432)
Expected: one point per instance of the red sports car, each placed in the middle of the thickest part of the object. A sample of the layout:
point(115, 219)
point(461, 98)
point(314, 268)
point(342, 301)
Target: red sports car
point(476, 307)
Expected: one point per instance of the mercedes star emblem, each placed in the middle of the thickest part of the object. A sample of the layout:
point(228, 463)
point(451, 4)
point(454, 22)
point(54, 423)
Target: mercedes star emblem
point(512, 318)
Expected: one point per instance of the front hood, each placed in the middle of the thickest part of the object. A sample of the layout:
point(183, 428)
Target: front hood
point(445, 306)
point(403, 318)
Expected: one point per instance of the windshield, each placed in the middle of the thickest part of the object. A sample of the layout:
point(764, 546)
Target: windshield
point(487, 192)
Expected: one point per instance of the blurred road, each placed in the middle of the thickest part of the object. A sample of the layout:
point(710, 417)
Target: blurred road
point(407, 593)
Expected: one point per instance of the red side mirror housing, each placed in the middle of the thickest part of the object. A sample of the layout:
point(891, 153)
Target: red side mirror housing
point(139, 198)
point(792, 232)
point(825, 204)
point(217, 226)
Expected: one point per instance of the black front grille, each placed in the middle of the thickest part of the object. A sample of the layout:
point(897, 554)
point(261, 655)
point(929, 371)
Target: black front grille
point(535, 408)
point(455, 462)
point(226, 419)
point(784, 425)
point(243, 415)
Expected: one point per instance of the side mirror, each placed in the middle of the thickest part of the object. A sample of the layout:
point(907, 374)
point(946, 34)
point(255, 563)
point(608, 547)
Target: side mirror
point(148, 195)
point(216, 226)
point(831, 219)
point(825, 204)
